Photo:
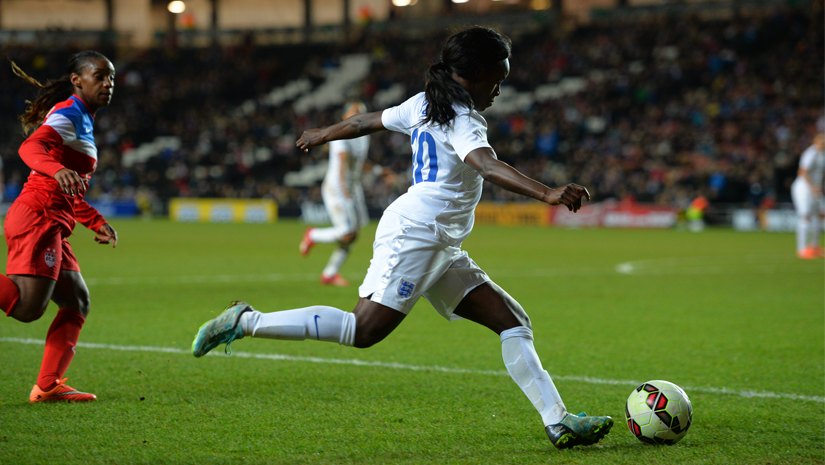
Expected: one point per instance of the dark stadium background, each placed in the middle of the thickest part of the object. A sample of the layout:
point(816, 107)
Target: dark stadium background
point(679, 100)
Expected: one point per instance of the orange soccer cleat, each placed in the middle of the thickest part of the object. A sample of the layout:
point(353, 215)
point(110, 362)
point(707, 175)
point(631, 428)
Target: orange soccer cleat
point(336, 280)
point(60, 393)
point(818, 251)
point(306, 243)
point(808, 253)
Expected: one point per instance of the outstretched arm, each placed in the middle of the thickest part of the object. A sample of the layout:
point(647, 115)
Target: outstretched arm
point(352, 127)
point(507, 177)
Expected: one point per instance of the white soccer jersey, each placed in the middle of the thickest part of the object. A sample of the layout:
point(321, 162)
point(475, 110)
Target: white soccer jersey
point(344, 175)
point(445, 190)
point(813, 161)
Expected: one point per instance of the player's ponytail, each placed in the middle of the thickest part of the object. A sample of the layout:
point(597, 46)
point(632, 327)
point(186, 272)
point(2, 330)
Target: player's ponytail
point(53, 91)
point(465, 53)
point(442, 91)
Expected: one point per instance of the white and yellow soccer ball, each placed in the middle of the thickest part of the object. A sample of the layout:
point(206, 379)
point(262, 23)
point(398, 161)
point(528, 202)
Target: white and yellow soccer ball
point(659, 412)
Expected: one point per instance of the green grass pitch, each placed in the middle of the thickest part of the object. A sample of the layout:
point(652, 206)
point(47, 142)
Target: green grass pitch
point(734, 318)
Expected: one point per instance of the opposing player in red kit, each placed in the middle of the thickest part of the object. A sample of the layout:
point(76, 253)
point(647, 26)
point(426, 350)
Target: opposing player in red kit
point(41, 265)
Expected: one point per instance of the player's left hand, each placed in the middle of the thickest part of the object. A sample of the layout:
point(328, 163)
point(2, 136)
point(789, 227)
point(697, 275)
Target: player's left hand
point(310, 138)
point(569, 195)
point(107, 234)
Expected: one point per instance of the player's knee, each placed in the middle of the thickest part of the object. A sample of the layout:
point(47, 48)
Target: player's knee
point(84, 310)
point(78, 301)
point(521, 316)
point(359, 344)
point(83, 303)
point(27, 312)
point(373, 322)
point(366, 337)
point(349, 238)
point(364, 340)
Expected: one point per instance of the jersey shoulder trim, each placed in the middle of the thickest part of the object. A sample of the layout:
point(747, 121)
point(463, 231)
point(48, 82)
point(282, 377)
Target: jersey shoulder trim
point(72, 120)
point(63, 124)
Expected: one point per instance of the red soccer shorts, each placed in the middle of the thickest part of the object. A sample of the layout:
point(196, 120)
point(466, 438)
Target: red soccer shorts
point(37, 245)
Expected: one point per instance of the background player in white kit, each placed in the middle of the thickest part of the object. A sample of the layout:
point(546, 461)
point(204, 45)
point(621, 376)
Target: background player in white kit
point(417, 250)
point(806, 192)
point(343, 199)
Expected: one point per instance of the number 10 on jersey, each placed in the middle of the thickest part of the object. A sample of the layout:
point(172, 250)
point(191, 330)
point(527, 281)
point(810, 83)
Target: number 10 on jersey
point(423, 142)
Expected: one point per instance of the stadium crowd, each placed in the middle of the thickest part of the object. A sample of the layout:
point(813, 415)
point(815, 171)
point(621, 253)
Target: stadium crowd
point(671, 109)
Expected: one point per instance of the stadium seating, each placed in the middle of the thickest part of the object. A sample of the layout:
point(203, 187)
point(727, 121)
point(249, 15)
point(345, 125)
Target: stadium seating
point(661, 109)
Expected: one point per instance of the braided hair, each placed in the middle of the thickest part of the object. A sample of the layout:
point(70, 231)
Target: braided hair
point(54, 90)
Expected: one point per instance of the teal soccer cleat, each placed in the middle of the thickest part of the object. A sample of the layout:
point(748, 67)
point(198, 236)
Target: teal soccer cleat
point(578, 430)
point(222, 329)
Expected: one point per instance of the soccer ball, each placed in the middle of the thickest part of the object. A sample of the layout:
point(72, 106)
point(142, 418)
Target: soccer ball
point(658, 412)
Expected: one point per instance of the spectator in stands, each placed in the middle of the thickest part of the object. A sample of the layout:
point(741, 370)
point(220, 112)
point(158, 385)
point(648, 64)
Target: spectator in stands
point(672, 108)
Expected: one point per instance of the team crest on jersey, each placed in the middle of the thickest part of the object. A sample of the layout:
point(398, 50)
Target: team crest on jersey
point(405, 289)
point(50, 257)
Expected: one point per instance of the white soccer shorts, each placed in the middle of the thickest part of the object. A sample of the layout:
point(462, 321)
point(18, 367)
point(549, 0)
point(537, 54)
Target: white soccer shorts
point(804, 201)
point(409, 261)
point(346, 214)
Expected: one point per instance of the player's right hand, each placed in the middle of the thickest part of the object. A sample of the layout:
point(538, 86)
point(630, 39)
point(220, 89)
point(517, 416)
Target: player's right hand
point(310, 138)
point(70, 182)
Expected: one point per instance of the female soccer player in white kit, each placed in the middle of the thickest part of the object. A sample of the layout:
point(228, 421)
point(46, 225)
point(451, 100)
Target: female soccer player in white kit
point(806, 192)
point(343, 199)
point(417, 249)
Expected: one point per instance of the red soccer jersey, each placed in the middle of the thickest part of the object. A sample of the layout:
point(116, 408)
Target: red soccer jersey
point(64, 140)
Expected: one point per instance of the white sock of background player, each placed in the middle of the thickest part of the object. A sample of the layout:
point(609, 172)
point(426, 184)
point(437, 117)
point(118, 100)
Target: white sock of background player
point(816, 230)
point(524, 367)
point(318, 322)
point(336, 261)
point(801, 233)
point(326, 235)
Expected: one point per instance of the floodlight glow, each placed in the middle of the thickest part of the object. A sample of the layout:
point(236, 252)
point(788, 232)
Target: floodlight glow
point(400, 2)
point(176, 7)
point(460, 1)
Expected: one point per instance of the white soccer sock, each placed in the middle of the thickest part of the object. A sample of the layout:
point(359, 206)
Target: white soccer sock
point(801, 233)
point(318, 322)
point(325, 235)
point(336, 261)
point(816, 230)
point(524, 367)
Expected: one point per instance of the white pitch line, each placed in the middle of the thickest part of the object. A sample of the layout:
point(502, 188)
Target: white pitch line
point(402, 366)
point(708, 265)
